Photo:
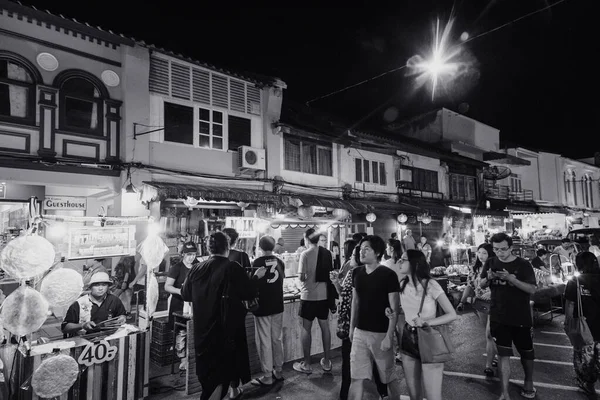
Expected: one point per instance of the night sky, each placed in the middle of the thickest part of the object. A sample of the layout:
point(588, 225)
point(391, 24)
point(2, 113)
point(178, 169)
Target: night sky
point(535, 79)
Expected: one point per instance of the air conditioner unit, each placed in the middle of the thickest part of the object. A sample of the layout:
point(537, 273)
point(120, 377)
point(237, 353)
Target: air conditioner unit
point(250, 158)
point(403, 175)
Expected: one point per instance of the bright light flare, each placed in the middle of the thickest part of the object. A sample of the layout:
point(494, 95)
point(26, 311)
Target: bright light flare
point(442, 64)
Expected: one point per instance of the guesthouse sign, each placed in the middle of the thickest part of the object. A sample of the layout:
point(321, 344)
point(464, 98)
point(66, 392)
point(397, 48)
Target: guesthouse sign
point(65, 203)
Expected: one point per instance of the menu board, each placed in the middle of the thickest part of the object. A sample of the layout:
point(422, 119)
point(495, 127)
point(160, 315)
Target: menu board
point(100, 242)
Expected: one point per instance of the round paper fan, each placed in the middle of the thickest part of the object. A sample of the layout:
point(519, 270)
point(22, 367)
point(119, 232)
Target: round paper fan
point(24, 311)
point(62, 287)
point(27, 256)
point(55, 376)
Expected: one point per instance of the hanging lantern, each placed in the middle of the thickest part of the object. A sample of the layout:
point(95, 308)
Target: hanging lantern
point(426, 219)
point(371, 217)
point(340, 213)
point(402, 218)
point(242, 205)
point(306, 211)
point(190, 202)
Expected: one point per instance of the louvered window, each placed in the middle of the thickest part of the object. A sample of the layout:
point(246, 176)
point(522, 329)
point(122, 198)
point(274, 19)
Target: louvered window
point(370, 171)
point(178, 80)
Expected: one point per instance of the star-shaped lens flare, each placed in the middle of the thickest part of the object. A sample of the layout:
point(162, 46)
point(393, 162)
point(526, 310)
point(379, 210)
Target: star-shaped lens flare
point(442, 65)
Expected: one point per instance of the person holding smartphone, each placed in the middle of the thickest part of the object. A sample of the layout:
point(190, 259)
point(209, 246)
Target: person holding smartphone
point(512, 282)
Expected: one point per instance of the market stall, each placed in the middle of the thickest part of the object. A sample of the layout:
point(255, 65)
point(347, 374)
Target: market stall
point(36, 359)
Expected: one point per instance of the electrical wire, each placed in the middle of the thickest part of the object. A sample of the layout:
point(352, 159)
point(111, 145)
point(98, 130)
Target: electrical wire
point(466, 41)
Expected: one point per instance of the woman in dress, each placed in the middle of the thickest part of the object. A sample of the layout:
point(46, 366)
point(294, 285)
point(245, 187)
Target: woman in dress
point(216, 288)
point(175, 278)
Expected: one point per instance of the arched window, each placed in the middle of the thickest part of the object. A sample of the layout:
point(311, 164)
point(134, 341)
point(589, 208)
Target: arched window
point(17, 89)
point(81, 102)
point(588, 190)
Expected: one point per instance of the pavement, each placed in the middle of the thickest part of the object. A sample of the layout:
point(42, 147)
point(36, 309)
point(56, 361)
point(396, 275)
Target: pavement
point(463, 377)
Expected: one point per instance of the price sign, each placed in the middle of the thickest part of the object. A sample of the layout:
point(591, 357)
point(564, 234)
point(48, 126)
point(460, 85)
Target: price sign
point(97, 353)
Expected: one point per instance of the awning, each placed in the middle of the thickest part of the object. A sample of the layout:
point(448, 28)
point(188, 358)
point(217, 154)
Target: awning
point(503, 158)
point(170, 190)
point(388, 207)
point(553, 210)
point(490, 213)
point(331, 202)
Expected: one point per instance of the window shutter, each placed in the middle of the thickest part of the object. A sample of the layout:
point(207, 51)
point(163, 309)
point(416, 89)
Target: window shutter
point(237, 95)
point(358, 164)
point(201, 86)
point(180, 81)
point(159, 76)
point(220, 91)
point(253, 104)
point(382, 175)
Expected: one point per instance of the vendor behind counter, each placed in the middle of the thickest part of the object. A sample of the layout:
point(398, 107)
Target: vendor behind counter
point(96, 311)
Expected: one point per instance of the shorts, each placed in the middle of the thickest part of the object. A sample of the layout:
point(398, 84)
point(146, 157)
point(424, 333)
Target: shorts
point(505, 335)
point(409, 342)
point(314, 309)
point(366, 349)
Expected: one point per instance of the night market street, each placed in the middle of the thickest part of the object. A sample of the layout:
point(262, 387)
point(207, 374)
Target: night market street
point(463, 378)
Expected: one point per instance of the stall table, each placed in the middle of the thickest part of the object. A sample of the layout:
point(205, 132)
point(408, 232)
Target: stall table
point(123, 377)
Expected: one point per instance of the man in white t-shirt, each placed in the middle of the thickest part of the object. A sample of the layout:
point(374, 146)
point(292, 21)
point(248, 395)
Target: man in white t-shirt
point(313, 304)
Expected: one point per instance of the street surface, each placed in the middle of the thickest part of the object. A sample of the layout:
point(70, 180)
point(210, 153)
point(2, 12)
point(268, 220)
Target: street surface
point(463, 379)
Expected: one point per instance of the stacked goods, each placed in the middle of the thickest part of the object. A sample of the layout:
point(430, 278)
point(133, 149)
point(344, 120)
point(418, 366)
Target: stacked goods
point(161, 347)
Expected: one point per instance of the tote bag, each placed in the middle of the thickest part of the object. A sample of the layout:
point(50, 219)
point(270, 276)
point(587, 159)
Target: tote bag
point(435, 345)
point(577, 329)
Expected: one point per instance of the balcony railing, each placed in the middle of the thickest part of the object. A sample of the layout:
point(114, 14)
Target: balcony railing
point(504, 193)
point(421, 193)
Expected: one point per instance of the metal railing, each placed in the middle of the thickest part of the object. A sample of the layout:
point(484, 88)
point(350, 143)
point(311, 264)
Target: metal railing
point(421, 193)
point(504, 193)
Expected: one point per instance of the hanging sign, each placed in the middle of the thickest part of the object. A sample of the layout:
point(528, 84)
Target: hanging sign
point(245, 226)
point(65, 203)
point(101, 242)
point(97, 353)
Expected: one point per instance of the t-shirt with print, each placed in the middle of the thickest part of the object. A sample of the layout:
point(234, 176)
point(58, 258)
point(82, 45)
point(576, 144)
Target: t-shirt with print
point(590, 298)
point(509, 304)
point(372, 291)
point(410, 300)
point(310, 289)
point(270, 286)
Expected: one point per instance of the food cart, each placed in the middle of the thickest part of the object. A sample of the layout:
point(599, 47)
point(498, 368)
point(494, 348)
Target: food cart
point(36, 359)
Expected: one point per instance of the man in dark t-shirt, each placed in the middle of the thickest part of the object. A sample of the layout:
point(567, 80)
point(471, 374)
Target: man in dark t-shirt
point(375, 288)
point(269, 316)
point(512, 282)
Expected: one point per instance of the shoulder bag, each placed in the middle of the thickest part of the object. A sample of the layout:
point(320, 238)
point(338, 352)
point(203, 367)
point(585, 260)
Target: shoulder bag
point(435, 345)
point(577, 328)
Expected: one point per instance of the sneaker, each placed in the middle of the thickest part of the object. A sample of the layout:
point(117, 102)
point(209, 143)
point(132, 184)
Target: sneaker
point(326, 365)
point(300, 366)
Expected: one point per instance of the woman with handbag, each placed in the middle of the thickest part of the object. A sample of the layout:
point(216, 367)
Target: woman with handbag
point(582, 320)
point(420, 296)
point(481, 304)
point(342, 280)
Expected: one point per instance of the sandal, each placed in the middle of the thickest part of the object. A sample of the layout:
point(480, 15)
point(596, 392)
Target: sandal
point(259, 382)
point(239, 396)
point(278, 379)
point(528, 394)
point(489, 372)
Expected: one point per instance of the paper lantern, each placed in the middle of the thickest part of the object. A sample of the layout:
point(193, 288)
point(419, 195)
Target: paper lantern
point(426, 219)
point(24, 311)
point(190, 202)
point(27, 256)
point(55, 376)
point(371, 217)
point(242, 205)
point(306, 211)
point(402, 218)
point(340, 213)
point(62, 287)
point(153, 250)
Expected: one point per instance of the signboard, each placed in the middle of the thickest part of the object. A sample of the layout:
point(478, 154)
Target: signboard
point(97, 353)
point(2, 190)
point(245, 226)
point(65, 203)
point(100, 242)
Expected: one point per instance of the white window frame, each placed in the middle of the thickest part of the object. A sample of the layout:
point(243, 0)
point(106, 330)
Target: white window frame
point(370, 181)
point(196, 123)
